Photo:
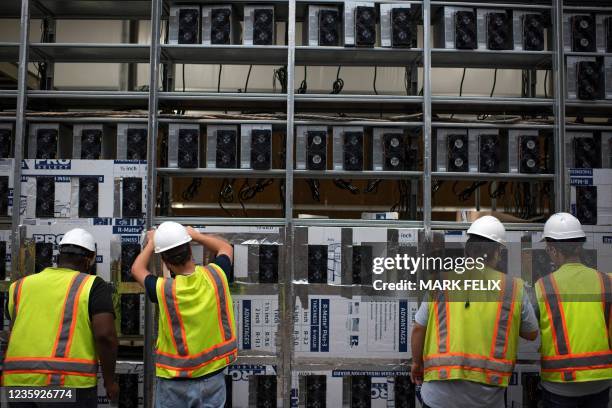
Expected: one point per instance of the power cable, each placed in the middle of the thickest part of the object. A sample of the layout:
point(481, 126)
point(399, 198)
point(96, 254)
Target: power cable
point(338, 83)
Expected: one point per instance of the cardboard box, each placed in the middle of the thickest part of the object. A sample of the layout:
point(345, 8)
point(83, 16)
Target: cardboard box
point(257, 321)
point(333, 326)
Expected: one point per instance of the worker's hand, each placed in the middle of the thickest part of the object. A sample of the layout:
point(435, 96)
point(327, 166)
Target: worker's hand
point(416, 373)
point(193, 233)
point(112, 391)
point(150, 235)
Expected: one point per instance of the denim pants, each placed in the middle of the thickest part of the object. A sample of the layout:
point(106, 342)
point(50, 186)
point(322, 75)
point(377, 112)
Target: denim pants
point(599, 400)
point(197, 393)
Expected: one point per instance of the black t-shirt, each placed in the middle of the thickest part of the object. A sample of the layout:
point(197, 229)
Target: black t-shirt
point(100, 299)
point(222, 261)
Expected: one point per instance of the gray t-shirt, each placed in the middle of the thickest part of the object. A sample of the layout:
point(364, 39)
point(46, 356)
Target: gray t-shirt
point(469, 394)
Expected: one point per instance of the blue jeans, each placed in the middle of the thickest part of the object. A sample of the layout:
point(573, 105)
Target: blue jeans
point(197, 393)
point(599, 400)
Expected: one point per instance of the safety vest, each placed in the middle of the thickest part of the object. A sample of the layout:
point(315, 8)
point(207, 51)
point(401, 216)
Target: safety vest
point(51, 342)
point(476, 341)
point(197, 334)
point(575, 303)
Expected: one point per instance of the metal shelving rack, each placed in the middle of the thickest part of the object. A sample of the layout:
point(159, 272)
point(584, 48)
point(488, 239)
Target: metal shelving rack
point(290, 55)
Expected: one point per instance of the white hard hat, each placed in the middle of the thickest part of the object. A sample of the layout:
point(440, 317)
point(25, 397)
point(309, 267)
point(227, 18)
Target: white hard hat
point(489, 227)
point(563, 226)
point(79, 237)
point(169, 235)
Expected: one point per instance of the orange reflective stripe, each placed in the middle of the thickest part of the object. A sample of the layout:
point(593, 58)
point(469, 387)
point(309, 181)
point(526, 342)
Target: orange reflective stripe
point(562, 313)
point(180, 318)
point(49, 372)
point(606, 297)
point(165, 304)
point(480, 370)
point(222, 304)
point(499, 345)
point(463, 361)
point(555, 317)
point(16, 297)
point(193, 362)
point(224, 300)
point(441, 308)
point(467, 355)
point(582, 361)
point(52, 366)
point(75, 309)
point(62, 314)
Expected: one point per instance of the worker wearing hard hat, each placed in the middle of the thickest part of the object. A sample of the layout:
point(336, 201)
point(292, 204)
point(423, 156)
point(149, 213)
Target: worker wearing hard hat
point(574, 304)
point(197, 334)
point(464, 350)
point(62, 323)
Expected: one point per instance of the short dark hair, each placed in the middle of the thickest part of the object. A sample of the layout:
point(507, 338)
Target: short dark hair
point(567, 247)
point(477, 246)
point(72, 256)
point(177, 256)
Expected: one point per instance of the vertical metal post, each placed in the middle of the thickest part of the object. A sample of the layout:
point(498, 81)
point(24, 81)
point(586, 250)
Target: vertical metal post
point(149, 366)
point(20, 129)
point(286, 299)
point(561, 201)
point(427, 131)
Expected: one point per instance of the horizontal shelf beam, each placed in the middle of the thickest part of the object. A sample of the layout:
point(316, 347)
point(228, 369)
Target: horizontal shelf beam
point(81, 9)
point(485, 104)
point(451, 58)
point(222, 221)
point(231, 173)
point(334, 56)
point(97, 53)
point(599, 107)
point(367, 174)
point(510, 226)
point(330, 222)
point(442, 175)
point(225, 54)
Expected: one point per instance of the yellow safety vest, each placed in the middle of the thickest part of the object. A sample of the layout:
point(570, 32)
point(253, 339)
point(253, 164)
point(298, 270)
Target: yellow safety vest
point(574, 304)
point(197, 333)
point(476, 342)
point(51, 342)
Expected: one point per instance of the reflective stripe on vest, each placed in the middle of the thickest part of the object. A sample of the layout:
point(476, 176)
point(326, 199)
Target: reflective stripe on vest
point(51, 365)
point(495, 364)
point(222, 302)
point(469, 361)
point(555, 314)
point(58, 364)
point(588, 361)
point(198, 360)
point(16, 297)
point(174, 317)
point(564, 361)
point(606, 297)
point(184, 361)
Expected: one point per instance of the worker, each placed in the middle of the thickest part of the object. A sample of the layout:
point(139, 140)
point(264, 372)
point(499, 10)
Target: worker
point(574, 304)
point(197, 334)
point(62, 323)
point(464, 343)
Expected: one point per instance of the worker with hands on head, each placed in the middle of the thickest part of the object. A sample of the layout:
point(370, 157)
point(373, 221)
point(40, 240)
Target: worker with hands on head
point(463, 352)
point(62, 323)
point(197, 334)
point(575, 307)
